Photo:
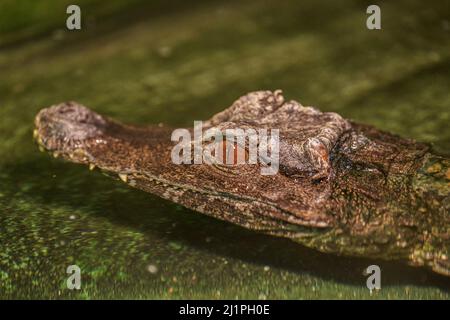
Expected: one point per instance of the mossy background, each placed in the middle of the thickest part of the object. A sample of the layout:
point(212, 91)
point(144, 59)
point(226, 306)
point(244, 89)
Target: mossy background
point(175, 62)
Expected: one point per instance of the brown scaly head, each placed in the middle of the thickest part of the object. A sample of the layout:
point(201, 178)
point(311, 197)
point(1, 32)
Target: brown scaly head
point(341, 187)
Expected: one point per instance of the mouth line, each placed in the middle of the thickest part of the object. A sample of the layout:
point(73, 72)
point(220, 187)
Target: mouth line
point(129, 177)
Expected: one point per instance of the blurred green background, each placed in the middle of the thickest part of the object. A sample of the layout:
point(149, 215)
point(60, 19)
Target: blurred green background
point(175, 62)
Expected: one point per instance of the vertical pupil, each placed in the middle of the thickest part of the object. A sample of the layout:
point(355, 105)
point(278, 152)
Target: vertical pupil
point(230, 153)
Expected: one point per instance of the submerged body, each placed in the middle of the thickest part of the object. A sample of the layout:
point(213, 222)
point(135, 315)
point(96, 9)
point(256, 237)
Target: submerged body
point(341, 188)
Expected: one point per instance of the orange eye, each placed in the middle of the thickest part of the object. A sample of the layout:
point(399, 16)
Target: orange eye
point(230, 153)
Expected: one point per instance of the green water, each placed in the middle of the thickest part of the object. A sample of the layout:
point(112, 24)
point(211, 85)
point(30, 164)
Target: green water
point(175, 63)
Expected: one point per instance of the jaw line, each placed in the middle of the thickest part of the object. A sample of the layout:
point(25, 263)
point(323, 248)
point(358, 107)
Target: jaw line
point(129, 175)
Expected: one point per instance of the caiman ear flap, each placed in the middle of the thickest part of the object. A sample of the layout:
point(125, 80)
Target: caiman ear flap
point(251, 107)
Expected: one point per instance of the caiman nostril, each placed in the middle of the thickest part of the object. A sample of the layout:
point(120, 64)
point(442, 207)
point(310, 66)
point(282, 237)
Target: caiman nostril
point(67, 125)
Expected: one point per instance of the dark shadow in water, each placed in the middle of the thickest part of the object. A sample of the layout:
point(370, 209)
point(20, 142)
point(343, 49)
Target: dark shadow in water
point(152, 215)
point(102, 22)
point(400, 85)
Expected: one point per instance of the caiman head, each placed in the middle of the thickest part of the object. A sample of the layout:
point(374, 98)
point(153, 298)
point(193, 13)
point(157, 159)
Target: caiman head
point(341, 187)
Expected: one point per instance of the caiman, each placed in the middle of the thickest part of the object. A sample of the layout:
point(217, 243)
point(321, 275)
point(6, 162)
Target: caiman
point(342, 187)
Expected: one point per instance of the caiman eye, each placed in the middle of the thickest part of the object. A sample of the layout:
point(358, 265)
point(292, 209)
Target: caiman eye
point(230, 153)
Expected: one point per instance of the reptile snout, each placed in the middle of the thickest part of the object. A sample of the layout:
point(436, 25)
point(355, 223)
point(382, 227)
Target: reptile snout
point(66, 126)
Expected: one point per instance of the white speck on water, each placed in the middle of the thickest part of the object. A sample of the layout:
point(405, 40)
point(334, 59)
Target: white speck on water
point(152, 268)
point(72, 217)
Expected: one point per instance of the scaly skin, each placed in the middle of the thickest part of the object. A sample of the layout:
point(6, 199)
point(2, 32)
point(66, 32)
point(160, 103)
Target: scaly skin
point(342, 187)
